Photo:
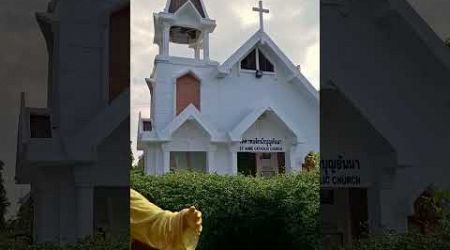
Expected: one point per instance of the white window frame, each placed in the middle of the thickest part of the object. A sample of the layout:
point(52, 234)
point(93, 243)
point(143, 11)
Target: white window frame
point(257, 65)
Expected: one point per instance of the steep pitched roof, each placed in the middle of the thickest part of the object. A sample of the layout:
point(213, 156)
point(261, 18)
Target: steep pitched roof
point(174, 5)
point(190, 113)
point(250, 119)
point(260, 37)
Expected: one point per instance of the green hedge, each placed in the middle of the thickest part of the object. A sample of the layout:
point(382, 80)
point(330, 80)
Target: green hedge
point(243, 212)
point(7, 242)
point(439, 239)
point(403, 242)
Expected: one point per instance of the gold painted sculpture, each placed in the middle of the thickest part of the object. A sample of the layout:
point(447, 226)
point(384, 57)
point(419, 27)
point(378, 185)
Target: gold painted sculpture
point(163, 230)
point(310, 162)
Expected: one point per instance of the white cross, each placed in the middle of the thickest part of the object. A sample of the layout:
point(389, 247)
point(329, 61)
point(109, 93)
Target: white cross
point(261, 11)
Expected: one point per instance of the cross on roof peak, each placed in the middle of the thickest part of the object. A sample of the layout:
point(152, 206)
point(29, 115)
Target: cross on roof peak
point(261, 11)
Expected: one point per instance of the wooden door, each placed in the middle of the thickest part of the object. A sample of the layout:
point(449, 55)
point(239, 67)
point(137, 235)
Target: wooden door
point(187, 92)
point(267, 164)
point(358, 212)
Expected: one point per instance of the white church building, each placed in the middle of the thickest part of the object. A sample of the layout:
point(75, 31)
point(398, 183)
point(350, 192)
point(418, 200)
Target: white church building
point(255, 113)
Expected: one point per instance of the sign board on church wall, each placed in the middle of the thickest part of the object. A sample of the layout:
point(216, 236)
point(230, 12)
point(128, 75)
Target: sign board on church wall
point(344, 171)
point(261, 144)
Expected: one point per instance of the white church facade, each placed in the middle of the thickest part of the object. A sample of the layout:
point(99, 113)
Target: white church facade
point(255, 113)
point(384, 117)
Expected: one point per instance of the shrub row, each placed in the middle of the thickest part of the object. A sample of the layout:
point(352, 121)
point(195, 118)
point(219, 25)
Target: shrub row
point(243, 212)
point(7, 242)
point(403, 242)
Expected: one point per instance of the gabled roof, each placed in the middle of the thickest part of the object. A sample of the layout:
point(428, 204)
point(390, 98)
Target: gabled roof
point(260, 37)
point(423, 30)
point(249, 120)
point(189, 114)
point(172, 6)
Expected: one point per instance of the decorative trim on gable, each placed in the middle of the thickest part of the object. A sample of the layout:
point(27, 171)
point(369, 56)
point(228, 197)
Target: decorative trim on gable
point(185, 5)
point(260, 37)
point(189, 114)
point(192, 72)
point(168, 3)
point(249, 120)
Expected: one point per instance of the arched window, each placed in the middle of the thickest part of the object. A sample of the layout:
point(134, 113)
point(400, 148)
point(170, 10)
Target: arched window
point(187, 92)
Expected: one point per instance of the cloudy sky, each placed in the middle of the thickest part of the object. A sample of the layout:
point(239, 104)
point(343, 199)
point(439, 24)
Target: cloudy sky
point(436, 14)
point(292, 24)
point(23, 60)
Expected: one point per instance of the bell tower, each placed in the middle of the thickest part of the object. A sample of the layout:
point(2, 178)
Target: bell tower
point(184, 22)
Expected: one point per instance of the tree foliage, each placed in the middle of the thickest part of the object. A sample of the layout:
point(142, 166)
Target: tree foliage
point(432, 217)
point(8, 242)
point(3, 199)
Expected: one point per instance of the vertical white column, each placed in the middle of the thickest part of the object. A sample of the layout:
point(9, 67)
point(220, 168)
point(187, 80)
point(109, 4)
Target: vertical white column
point(205, 46)
point(210, 168)
point(197, 51)
point(149, 161)
point(234, 162)
point(166, 159)
point(387, 196)
point(46, 207)
point(165, 40)
point(373, 202)
point(67, 209)
point(146, 161)
point(85, 210)
point(291, 160)
point(43, 226)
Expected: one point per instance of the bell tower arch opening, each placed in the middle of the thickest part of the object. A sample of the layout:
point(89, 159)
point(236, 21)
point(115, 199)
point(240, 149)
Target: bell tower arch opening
point(183, 26)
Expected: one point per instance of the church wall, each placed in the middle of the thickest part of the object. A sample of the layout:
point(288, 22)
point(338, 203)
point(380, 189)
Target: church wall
point(348, 133)
point(80, 92)
point(391, 61)
point(408, 71)
point(45, 208)
point(111, 169)
point(222, 156)
point(68, 209)
point(153, 160)
point(54, 220)
point(190, 137)
point(79, 70)
point(81, 62)
point(165, 90)
point(225, 102)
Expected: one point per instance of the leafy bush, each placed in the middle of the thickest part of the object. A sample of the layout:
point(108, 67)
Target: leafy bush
point(432, 209)
point(7, 242)
point(22, 224)
point(17, 235)
point(3, 200)
point(402, 242)
point(243, 212)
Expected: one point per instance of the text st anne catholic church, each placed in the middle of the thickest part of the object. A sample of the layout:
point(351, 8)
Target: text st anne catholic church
point(254, 114)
